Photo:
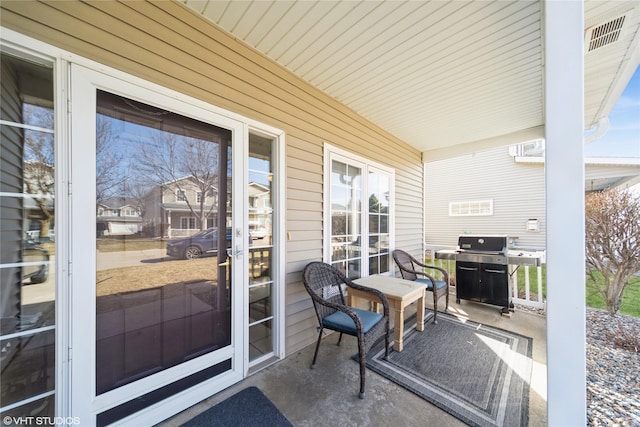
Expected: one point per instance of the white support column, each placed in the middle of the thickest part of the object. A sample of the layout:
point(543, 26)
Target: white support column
point(564, 175)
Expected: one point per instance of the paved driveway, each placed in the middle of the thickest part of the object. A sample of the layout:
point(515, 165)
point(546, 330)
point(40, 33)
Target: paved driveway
point(107, 260)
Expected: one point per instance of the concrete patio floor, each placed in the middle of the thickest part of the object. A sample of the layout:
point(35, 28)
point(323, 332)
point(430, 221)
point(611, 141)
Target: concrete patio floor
point(328, 394)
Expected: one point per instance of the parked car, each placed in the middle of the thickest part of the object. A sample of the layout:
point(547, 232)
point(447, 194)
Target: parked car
point(35, 235)
point(204, 243)
point(34, 253)
point(257, 232)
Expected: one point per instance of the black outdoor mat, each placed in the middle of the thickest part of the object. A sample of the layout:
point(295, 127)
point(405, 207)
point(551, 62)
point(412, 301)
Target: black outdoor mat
point(477, 373)
point(247, 408)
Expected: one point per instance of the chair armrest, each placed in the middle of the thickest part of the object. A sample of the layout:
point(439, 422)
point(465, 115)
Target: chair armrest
point(444, 272)
point(382, 297)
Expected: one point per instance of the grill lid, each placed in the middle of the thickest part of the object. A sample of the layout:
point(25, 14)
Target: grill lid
point(483, 244)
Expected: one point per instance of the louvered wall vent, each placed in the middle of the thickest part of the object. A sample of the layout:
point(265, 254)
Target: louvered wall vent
point(604, 34)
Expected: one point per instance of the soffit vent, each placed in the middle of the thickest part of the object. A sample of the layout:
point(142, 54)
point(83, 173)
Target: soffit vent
point(604, 34)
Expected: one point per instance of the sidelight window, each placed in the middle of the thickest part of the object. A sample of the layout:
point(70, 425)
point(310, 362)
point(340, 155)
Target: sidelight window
point(27, 233)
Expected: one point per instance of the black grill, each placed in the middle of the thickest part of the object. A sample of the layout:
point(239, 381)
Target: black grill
point(482, 270)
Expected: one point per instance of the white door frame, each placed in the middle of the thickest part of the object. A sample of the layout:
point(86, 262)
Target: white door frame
point(84, 402)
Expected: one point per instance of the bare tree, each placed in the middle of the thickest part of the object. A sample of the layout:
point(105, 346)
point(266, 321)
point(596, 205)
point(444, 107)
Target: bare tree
point(612, 242)
point(111, 172)
point(39, 156)
point(183, 163)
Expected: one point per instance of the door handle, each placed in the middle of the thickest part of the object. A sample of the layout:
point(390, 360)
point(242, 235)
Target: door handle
point(223, 264)
point(236, 252)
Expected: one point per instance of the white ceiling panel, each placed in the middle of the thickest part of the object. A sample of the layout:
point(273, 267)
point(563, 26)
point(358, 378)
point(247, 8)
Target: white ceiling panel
point(434, 73)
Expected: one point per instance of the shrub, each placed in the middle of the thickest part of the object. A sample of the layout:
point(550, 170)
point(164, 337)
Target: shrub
point(612, 242)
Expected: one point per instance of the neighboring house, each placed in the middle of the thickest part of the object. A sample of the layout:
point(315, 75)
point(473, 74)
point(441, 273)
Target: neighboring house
point(348, 105)
point(180, 208)
point(502, 191)
point(260, 209)
point(118, 216)
point(39, 207)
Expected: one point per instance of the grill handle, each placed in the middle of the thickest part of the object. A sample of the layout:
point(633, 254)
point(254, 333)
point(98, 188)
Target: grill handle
point(468, 268)
point(488, 270)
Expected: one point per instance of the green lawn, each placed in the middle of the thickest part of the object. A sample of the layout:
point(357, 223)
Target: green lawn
point(533, 280)
point(630, 301)
point(128, 243)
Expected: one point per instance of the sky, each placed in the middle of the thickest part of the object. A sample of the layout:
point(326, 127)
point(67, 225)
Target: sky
point(623, 137)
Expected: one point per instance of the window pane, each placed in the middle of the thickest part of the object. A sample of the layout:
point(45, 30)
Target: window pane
point(260, 339)
point(346, 213)
point(260, 301)
point(338, 223)
point(338, 248)
point(260, 262)
point(374, 223)
point(384, 224)
point(354, 269)
point(39, 408)
point(374, 268)
point(378, 190)
point(28, 366)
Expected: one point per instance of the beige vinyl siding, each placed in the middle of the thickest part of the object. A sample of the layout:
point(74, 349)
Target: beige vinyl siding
point(169, 44)
point(517, 191)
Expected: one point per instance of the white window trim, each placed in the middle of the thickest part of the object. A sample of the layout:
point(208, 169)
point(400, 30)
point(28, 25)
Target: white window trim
point(331, 153)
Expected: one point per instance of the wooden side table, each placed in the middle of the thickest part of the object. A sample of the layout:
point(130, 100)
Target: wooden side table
point(400, 293)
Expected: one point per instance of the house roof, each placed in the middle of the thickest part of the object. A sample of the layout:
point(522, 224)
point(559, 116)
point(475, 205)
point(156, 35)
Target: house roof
point(118, 202)
point(438, 75)
point(602, 172)
point(256, 189)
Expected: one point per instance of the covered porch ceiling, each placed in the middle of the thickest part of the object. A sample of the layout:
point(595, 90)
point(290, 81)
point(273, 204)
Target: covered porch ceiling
point(447, 77)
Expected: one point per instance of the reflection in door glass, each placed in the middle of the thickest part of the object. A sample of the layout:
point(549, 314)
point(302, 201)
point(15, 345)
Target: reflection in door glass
point(346, 214)
point(378, 187)
point(27, 233)
point(163, 217)
point(261, 246)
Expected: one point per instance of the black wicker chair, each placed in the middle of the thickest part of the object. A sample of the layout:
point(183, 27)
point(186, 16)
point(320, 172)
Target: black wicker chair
point(325, 284)
point(411, 268)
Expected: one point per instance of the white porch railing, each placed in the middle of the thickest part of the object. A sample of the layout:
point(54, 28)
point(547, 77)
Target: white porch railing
point(522, 293)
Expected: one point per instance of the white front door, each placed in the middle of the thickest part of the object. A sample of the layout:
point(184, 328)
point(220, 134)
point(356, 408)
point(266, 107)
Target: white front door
point(159, 283)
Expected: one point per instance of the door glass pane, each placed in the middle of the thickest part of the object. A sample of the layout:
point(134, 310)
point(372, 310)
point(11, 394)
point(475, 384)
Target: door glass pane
point(260, 246)
point(346, 214)
point(378, 195)
point(163, 227)
point(27, 236)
